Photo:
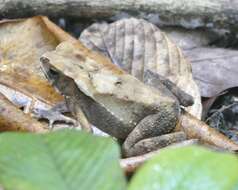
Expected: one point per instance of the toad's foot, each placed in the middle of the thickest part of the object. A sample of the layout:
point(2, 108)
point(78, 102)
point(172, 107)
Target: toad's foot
point(152, 133)
point(53, 115)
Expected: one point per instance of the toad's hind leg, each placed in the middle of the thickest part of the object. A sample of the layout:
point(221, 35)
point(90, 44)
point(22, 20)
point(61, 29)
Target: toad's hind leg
point(149, 134)
point(155, 143)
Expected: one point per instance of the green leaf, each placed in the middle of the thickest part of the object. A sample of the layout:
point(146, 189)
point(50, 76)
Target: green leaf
point(58, 161)
point(190, 168)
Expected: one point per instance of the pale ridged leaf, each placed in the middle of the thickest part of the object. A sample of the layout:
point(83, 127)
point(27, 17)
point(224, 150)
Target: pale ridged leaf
point(61, 160)
point(136, 45)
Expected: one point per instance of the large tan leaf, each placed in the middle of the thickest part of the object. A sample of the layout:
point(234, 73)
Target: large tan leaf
point(136, 46)
point(22, 42)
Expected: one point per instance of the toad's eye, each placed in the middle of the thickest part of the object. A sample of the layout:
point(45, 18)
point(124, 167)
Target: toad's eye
point(118, 83)
point(53, 73)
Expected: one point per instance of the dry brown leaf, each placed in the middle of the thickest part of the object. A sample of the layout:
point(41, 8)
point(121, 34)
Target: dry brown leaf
point(136, 46)
point(13, 119)
point(22, 42)
point(215, 69)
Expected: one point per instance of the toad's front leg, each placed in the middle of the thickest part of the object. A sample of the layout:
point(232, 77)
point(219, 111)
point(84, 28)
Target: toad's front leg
point(151, 133)
point(78, 113)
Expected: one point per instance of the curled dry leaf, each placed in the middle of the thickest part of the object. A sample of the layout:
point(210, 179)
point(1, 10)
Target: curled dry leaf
point(137, 46)
point(22, 42)
point(13, 119)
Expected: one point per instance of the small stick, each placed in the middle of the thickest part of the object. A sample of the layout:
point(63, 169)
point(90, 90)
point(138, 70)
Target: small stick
point(195, 128)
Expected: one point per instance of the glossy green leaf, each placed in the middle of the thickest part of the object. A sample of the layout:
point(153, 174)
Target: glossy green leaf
point(58, 161)
point(190, 168)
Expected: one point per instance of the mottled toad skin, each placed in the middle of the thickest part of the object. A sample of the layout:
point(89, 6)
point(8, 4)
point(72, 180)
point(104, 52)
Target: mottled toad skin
point(109, 98)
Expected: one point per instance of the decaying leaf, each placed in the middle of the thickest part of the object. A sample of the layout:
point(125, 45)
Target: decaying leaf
point(13, 119)
point(215, 69)
point(22, 42)
point(205, 60)
point(136, 46)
